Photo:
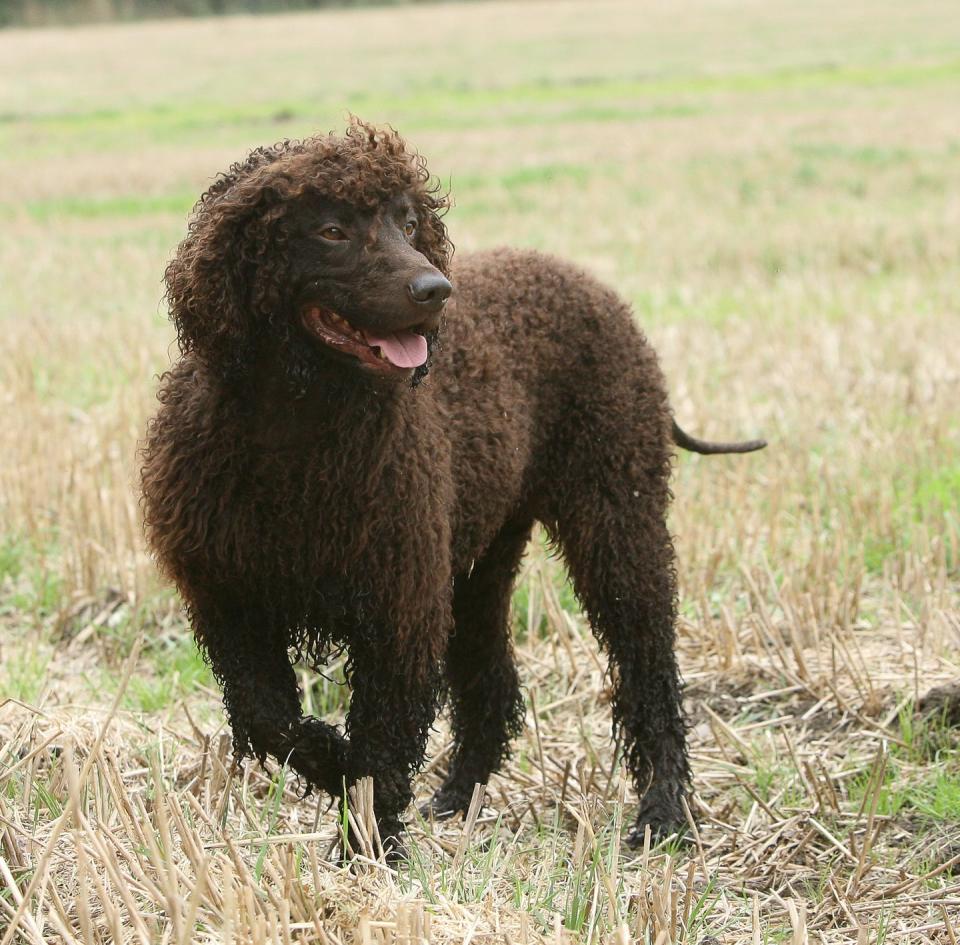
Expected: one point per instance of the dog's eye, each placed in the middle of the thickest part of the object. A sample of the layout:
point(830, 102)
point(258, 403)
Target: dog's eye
point(333, 233)
point(410, 228)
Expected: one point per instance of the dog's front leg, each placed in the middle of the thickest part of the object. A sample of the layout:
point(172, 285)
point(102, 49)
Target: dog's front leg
point(262, 698)
point(395, 680)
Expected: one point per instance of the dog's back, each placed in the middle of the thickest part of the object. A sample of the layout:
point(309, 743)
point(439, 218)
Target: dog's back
point(539, 359)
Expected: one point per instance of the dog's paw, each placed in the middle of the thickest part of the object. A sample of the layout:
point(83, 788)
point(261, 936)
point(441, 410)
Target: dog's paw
point(662, 811)
point(394, 849)
point(391, 850)
point(446, 803)
point(662, 827)
point(942, 702)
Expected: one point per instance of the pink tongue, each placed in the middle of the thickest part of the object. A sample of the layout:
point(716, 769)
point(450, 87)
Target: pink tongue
point(405, 349)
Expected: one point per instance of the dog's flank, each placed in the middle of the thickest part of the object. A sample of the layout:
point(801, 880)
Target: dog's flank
point(304, 492)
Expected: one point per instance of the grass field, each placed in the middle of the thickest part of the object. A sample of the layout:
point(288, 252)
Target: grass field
point(775, 186)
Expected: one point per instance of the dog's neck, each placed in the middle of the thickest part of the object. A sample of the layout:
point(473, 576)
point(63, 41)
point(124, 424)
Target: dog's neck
point(327, 400)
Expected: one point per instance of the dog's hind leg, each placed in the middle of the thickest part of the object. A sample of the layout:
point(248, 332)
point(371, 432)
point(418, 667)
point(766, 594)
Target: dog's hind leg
point(620, 555)
point(262, 699)
point(485, 697)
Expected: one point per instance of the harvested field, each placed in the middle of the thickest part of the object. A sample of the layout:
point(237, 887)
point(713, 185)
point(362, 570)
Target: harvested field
point(776, 189)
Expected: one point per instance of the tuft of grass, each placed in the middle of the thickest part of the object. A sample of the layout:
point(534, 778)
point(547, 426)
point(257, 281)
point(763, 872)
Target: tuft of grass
point(932, 491)
point(23, 675)
point(171, 671)
point(922, 779)
point(33, 586)
point(326, 692)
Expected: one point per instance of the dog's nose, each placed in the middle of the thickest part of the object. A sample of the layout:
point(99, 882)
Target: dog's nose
point(429, 291)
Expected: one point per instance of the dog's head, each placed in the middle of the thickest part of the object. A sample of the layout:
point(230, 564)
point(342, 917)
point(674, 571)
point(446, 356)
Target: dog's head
point(329, 254)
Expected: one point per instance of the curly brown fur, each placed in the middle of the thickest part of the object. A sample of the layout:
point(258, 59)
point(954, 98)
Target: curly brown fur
point(942, 703)
point(303, 493)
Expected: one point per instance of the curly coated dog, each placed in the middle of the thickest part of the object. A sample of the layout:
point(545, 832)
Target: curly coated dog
point(309, 486)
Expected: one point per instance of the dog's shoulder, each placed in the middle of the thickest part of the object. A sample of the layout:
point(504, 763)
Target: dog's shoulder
point(531, 292)
point(503, 265)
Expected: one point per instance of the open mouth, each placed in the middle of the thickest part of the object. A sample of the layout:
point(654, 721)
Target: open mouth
point(383, 351)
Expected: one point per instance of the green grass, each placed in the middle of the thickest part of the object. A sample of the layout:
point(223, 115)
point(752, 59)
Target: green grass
point(94, 208)
point(922, 776)
point(569, 867)
point(870, 156)
point(325, 693)
point(436, 95)
point(177, 670)
point(930, 492)
point(30, 582)
point(433, 104)
point(562, 587)
point(270, 815)
point(24, 673)
point(12, 551)
point(925, 498)
point(81, 384)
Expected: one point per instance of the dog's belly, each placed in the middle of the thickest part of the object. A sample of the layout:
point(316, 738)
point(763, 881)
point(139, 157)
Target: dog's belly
point(491, 447)
point(477, 520)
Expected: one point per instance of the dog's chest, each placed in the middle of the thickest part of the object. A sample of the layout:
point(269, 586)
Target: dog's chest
point(341, 507)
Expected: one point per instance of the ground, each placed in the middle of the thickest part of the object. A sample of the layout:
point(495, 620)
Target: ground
point(776, 189)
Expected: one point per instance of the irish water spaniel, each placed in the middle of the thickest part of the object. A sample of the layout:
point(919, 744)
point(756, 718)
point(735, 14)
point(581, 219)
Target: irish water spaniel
point(352, 451)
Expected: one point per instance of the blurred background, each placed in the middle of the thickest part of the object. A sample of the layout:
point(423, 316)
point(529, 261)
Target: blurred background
point(59, 12)
point(773, 186)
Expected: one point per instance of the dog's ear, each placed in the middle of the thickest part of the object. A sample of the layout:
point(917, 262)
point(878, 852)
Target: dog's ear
point(433, 240)
point(218, 291)
point(432, 203)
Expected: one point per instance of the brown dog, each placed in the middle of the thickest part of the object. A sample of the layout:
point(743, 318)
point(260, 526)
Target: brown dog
point(309, 485)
